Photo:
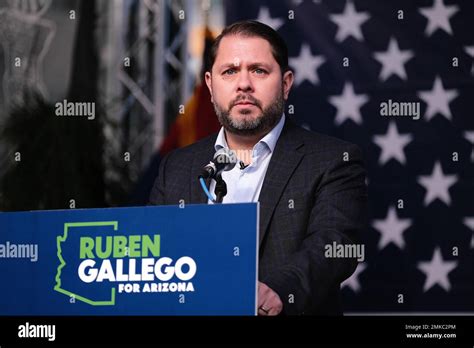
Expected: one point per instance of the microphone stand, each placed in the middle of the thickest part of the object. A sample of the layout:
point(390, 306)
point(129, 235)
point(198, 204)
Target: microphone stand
point(220, 189)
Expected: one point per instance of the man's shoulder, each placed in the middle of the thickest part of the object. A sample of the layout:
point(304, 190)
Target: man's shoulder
point(202, 145)
point(318, 143)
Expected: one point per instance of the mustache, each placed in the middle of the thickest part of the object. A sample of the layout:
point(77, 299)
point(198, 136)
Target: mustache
point(245, 98)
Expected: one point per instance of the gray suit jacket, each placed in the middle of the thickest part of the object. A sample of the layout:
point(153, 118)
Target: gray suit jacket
point(313, 194)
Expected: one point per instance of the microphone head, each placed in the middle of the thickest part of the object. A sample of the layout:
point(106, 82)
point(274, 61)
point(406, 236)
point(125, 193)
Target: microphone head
point(225, 160)
point(208, 171)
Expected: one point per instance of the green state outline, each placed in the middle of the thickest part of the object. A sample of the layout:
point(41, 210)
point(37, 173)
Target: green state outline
point(63, 238)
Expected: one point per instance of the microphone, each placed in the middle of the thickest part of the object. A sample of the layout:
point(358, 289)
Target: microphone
point(223, 160)
point(242, 165)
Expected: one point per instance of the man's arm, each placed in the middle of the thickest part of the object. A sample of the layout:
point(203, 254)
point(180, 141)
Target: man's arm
point(157, 195)
point(338, 215)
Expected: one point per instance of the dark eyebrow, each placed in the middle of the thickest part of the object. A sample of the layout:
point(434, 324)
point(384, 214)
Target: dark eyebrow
point(259, 65)
point(251, 66)
point(228, 66)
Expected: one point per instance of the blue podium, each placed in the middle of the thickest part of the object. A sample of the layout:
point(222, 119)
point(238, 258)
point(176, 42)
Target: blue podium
point(156, 260)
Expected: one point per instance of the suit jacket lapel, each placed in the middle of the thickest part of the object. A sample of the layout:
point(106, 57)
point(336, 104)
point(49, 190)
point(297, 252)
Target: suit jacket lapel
point(283, 163)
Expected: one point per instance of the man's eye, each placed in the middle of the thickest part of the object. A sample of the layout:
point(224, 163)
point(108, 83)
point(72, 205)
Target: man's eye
point(229, 72)
point(260, 71)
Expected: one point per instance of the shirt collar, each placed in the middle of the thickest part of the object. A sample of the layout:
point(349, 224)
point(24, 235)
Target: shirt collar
point(270, 139)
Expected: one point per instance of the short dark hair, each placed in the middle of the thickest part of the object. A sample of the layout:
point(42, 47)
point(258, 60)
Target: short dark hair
point(253, 29)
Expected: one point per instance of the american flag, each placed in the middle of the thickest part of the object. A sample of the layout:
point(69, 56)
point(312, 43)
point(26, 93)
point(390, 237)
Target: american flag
point(362, 68)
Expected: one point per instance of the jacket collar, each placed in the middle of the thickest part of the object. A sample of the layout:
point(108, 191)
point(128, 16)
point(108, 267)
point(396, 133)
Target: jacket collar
point(285, 159)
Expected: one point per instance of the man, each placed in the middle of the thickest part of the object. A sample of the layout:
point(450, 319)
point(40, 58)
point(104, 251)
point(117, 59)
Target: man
point(311, 187)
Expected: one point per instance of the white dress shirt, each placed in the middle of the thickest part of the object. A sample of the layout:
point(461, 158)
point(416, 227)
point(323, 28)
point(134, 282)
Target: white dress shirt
point(244, 185)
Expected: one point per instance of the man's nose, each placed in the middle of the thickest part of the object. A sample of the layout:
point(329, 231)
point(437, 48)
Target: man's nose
point(244, 83)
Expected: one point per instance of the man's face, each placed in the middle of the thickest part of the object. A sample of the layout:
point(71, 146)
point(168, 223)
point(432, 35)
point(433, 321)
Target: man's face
point(246, 85)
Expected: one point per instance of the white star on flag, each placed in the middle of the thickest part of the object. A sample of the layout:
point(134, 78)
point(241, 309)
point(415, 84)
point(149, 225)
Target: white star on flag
point(437, 185)
point(299, 2)
point(438, 100)
point(353, 280)
point(265, 17)
point(436, 271)
point(470, 50)
point(393, 61)
point(305, 66)
point(391, 229)
point(392, 144)
point(438, 17)
point(469, 135)
point(348, 105)
point(469, 222)
point(349, 22)
point(306, 126)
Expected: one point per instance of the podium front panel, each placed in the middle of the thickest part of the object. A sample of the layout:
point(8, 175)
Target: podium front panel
point(156, 260)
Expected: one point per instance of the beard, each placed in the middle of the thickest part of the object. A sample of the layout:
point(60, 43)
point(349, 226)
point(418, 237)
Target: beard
point(261, 124)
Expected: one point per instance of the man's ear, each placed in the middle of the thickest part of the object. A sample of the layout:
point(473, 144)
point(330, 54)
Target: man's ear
point(288, 79)
point(208, 79)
